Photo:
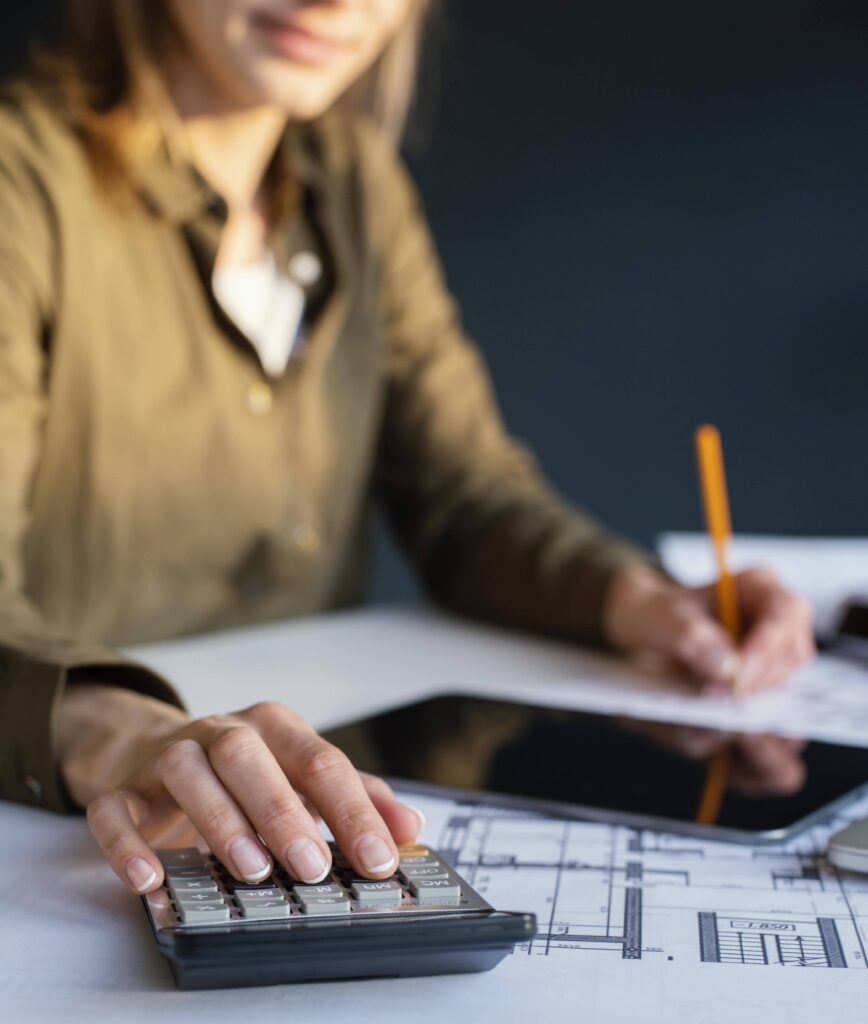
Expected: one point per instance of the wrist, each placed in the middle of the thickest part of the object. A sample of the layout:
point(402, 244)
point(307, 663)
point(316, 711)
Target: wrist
point(101, 733)
point(627, 598)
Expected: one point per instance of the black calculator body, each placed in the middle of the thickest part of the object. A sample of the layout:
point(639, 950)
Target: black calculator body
point(219, 933)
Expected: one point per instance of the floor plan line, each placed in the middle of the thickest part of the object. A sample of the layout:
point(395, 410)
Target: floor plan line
point(646, 895)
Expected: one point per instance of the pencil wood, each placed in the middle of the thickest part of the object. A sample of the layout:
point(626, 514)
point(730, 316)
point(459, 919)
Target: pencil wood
point(712, 479)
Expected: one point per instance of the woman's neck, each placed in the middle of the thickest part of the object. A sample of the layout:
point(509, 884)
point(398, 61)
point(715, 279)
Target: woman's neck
point(231, 144)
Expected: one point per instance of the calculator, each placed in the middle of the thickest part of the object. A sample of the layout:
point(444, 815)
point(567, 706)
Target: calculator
point(219, 933)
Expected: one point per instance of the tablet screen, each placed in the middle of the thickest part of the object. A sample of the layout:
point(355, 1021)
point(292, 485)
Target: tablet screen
point(601, 761)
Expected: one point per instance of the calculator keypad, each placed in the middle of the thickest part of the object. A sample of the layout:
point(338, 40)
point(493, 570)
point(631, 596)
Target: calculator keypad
point(199, 891)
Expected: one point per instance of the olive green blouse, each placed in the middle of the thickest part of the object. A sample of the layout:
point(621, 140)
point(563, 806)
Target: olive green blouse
point(155, 482)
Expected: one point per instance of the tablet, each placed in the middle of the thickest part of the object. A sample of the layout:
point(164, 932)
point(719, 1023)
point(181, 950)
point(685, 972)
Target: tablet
point(611, 768)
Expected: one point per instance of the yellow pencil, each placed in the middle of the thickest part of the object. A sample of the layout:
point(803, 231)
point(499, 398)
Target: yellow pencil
point(709, 454)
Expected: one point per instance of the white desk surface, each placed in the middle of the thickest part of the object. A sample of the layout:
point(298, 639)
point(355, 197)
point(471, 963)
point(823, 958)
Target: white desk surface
point(75, 946)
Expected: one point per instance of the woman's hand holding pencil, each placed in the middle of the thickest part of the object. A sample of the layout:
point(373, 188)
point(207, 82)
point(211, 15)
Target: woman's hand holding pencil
point(656, 620)
point(739, 634)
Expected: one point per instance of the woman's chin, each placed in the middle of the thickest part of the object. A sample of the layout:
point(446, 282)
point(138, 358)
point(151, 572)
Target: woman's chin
point(302, 93)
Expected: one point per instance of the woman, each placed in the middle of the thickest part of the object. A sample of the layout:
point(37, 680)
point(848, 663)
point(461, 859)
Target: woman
point(174, 460)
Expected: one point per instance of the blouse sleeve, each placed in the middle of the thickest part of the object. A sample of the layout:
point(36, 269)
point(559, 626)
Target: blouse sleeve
point(36, 660)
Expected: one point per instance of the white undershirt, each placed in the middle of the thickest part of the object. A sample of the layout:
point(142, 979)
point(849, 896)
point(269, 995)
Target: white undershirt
point(266, 304)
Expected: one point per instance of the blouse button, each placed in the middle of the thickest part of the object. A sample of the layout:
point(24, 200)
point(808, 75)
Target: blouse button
point(306, 538)
point(259, 398)
point(305, 268)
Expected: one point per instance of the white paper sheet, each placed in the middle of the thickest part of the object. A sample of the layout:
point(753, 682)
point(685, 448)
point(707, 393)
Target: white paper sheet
point(826, 570)
point(826, 699)
point(342, 667)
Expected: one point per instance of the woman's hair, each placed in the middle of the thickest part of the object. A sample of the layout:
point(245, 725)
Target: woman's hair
point(107, 71)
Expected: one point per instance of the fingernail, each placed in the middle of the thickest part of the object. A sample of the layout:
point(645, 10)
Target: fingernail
point(730, 667)
point(250, 860)
point(418, 814)
point(140, 873)
point(306, 861)
point(374, 855)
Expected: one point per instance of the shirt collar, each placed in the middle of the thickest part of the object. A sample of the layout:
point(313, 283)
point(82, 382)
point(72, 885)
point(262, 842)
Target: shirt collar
point(173, 188)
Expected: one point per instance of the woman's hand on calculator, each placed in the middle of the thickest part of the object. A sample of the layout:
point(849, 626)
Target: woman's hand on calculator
point(151, 777)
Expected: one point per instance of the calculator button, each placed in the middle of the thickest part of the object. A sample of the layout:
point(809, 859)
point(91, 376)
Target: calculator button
point(243, 888)
point(198, 872)
point(387, 891)
point(435, 888)
point(204, 914)
point(413, 850)
point(248, 895)
point(302, 892)
point(191, 898)
point(321, 906)
point(423, 871)
point(265, 909)
point(418, 861)
point(192, 885)
point(186, 857)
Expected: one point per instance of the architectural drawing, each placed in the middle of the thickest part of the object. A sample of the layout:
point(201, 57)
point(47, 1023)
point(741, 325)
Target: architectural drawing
point(644, 895)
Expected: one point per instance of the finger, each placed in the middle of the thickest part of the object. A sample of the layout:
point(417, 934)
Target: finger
point(758, 589)
point(771, 654)
point(324, 774)
point(404, 821)
point(112, 821)
point(186, 773)
point(769, 657)
point(687, 631)
point(779, 635)
point(248, 769)
point(316, 817)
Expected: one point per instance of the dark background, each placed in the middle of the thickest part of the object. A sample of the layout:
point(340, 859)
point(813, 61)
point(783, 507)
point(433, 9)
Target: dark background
point(656, 214)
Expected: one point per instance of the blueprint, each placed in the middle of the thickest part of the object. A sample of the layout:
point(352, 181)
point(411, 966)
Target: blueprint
point(635, 894)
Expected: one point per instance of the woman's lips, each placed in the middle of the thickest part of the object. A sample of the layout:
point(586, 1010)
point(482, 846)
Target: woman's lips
point(298, 44)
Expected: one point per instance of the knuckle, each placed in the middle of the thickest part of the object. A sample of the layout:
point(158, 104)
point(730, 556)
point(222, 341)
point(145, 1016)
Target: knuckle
point(114, 847)
point(265, 711)
point(688, 637)
point(216, 723)
point(352, 817)
point(236, 745)
point(762, 576)
point(106, 828)
point(678, 612)
point(280, 816)
point(322, 763)
point(178, 757)
point(99, 810)
point(218, 821)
